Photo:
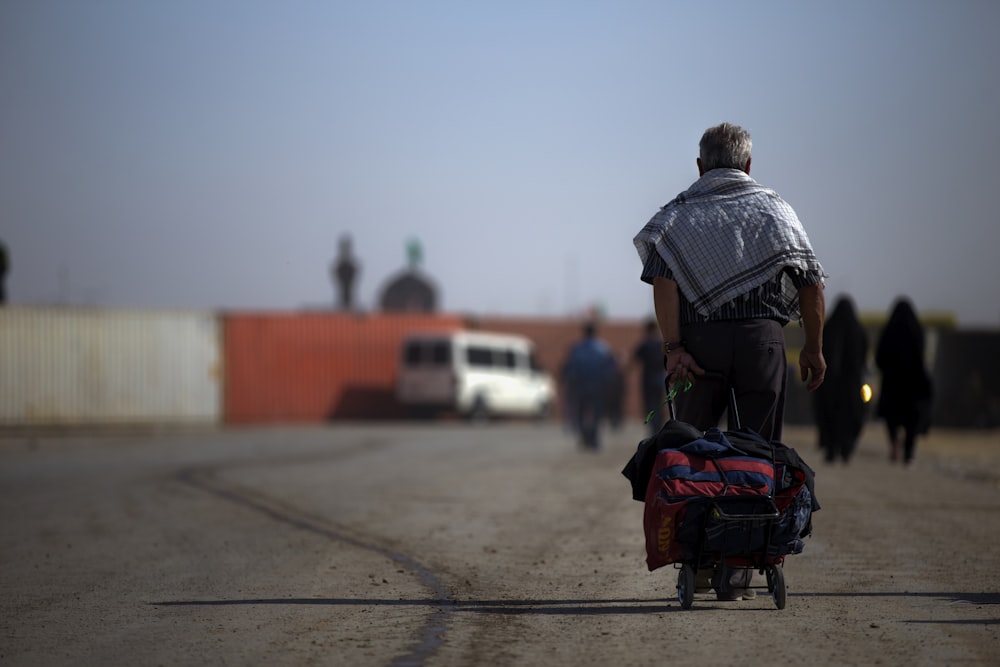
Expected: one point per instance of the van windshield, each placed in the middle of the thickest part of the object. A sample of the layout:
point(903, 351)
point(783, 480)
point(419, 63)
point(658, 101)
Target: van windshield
point(427, 353)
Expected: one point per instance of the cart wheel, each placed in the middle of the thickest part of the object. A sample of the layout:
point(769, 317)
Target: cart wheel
point(685, 586)
point(776, 585)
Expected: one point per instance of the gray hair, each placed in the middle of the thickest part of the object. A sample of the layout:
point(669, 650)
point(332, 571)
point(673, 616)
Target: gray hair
point(724, 146)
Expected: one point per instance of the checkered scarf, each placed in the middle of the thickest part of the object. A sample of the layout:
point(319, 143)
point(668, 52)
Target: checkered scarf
point(727, 236)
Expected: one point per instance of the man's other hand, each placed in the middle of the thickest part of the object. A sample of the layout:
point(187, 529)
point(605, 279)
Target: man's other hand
point(812, 367)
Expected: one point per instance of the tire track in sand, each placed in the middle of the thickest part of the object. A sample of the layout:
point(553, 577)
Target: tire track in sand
point(431, 635)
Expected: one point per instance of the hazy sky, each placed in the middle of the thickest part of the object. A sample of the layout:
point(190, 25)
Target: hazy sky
point(210, 153)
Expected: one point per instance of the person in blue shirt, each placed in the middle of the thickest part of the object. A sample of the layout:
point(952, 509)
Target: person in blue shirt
point(587, 376)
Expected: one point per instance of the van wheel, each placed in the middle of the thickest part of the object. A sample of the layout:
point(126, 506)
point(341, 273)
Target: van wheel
point(544, 411)
point(479, 412)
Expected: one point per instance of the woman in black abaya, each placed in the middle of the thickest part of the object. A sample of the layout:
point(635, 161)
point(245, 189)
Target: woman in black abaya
point(839, 405)
point(905, 397)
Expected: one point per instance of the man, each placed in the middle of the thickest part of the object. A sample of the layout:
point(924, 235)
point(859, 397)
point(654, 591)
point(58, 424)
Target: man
point(730, 265)
point(648, 356)
point(587, 374)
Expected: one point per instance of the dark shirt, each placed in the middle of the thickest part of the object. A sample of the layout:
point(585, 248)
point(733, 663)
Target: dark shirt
point(649, 354)
point(766, 303)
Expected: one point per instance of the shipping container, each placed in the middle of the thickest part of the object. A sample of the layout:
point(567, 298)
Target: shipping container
point(67, 366)
point(315, 367)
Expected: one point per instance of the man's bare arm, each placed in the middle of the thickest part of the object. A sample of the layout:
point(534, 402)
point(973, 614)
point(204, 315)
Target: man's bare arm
point(812, 304)
point(680, 364)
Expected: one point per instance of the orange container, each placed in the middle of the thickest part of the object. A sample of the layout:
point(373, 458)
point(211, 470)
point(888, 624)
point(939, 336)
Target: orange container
point(309, 367)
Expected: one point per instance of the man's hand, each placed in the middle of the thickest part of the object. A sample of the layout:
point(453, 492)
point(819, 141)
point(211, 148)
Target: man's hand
point(681, 367)
point(812, 361)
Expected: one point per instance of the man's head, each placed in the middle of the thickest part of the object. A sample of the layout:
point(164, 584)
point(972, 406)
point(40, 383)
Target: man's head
point(725, 146)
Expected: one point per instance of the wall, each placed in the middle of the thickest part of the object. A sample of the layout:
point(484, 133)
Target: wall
point(286, 367)
point(965, 365)
point(309, 367)
point(967, 379)
point(96, 366)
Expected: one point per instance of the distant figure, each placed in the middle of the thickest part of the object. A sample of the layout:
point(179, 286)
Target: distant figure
point(616, 392)
point(839, 405)
point(409, 291)
point(648, 356)
point(344, 272)
point(4, 267)
point(906, 392)
point(587, 374)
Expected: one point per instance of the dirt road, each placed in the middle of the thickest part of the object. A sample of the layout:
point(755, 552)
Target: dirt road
point(463, 545)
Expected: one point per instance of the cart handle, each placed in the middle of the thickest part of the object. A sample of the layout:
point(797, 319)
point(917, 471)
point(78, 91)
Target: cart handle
point(725, 516)
point(711, 376)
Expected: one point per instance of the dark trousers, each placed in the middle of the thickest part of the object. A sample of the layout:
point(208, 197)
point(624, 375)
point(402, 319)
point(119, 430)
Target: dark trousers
point(588, 412)
point(751, 356)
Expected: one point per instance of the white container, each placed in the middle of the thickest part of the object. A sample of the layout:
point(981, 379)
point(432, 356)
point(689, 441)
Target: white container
point(97, 366)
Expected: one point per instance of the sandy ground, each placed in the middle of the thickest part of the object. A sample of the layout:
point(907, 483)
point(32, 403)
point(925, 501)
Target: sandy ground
point(420, 544)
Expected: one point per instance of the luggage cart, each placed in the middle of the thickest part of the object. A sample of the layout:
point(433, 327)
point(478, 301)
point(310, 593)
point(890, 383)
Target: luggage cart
point(735, 530)
point(761, 518)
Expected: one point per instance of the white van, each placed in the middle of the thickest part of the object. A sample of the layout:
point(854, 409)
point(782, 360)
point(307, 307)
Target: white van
point(475, 373)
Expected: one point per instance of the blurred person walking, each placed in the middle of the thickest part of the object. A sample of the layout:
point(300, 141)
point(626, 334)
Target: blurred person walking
point(731, 265)
point(588, 375)
point(839, 404)
point(4, 267)
point(648, 356)
point(616, 392)
point(906, 392)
